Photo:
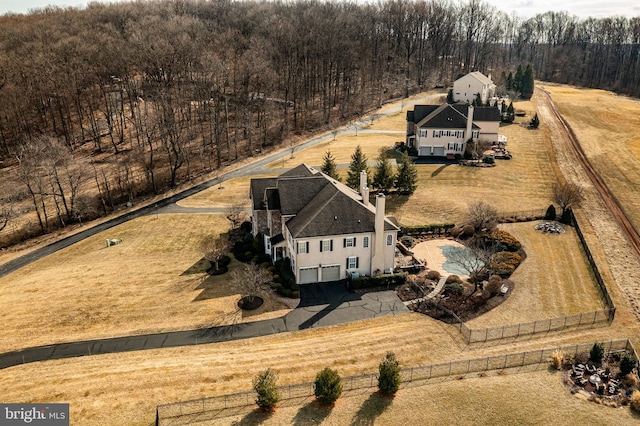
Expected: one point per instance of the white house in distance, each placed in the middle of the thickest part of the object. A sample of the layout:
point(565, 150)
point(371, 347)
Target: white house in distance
point(467, 87)
point(443, 130)
point(327, 229)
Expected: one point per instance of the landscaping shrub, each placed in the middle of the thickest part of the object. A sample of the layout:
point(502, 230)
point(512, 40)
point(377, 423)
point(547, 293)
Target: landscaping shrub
point(328, 386)
point(245, 227)
point(382, 280)
point(454, 288)
point(503, 240)
point(557, 359)
point(635, 401)
point(494, 284)
point(224, 261)
point(630, 380)
point(551, 213)
point(454, 279)
point(389, 375)
point(566, 217)
point(407, 241)
point(265, 386)
point(455, 232)
point(504, 263)
point(597, 352)
point(467, 231)
point(434, 228)
point(434, 275)
point(627, 364)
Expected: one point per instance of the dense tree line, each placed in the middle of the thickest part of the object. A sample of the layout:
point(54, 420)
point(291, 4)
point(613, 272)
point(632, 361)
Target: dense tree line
point(159, 91)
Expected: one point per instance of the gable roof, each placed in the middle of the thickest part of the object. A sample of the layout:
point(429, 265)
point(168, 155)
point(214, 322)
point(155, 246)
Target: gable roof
point(480, 113)
point(448, 116)
point(419, 112)
point(256, 191)
point(478, 76)
point(319, 205)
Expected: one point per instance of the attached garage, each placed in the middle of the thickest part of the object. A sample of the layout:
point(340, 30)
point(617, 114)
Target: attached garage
point(330, 273)
point(431, 151)
point(308, 275)
point(438, 151)
point(425, 151)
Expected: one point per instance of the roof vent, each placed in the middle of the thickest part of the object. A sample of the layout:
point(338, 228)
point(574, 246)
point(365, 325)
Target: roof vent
point(335, 218)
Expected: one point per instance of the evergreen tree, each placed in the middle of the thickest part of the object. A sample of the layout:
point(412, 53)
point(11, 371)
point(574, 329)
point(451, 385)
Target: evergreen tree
point(328, 386)
point(406, 179)
point(511, 113)
point(504, 115)
point(509, 81)
point(266, 389)
point(450, 99)
point(384, 177)
point(358, 164)
point(389, 375)
point(329, 166)
point(517, 80)
point(526, 88)
point(478, 100)
point(535, 121)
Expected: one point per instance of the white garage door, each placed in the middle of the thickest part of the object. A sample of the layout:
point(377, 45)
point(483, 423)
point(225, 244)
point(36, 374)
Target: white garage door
point(438, 151)
point(425, 151)
point(331, 273)
point(308, 275)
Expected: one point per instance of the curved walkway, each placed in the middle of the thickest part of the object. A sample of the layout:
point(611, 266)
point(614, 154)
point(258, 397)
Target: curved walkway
point(321, 305)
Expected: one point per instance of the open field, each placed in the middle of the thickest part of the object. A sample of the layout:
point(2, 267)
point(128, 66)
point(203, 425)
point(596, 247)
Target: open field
point(124, 388)
point(607, 127)
point(554, 280)
point(234, 192)
point(138, 286)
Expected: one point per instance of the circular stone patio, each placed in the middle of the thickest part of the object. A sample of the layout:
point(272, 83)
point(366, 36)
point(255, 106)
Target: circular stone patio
point(435, 253)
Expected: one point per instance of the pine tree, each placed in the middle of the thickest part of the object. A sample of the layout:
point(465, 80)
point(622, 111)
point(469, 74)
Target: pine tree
point(511, 113)
point(406, 179)
point(478, 100)
point(329, 166)
point(328, 386)
point(264, 384)
point(517, 80)
point(384, 177)
point(527, 86)
point(358, 164)
point(509, 82)
point(535, 121)
point(450, 99)
point(389, 375)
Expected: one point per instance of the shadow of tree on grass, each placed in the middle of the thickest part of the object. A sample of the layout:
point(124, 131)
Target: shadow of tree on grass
point(312, 413)
point(371, 409)
point(254, 417)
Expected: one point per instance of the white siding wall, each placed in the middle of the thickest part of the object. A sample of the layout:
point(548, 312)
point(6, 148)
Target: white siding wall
point(488, 130)
point(448, 142)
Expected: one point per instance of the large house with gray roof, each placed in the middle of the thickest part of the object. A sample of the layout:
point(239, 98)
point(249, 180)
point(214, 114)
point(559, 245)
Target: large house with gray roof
point(469, 86)
point(443, 130)
point(327, 230)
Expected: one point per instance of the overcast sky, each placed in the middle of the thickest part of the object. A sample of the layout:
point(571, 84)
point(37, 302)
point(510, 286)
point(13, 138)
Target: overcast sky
point(524, 8)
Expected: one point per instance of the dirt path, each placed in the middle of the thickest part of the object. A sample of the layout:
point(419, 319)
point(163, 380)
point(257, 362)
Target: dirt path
point(617, 234)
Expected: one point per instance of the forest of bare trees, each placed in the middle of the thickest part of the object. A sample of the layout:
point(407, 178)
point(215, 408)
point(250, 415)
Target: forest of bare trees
point(103, 104)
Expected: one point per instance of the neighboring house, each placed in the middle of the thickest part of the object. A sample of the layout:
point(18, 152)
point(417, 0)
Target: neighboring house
point(443, 130)
point(467, 87)
point(327, 230)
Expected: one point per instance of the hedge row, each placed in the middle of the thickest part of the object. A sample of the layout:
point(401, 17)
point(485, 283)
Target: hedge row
point(384, 280)
point(437, 227)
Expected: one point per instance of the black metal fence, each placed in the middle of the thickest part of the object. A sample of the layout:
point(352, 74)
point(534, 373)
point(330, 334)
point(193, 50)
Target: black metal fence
point(198, 410)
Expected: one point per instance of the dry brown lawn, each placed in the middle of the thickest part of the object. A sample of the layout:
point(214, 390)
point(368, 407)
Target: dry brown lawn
point(554, 280)
point(234, 192)
point(607, 127)
point(141, 285)
point(445, 192)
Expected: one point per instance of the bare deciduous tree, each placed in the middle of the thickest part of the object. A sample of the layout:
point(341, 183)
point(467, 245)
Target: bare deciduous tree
point(473, 258)
point(213, 248)
point(236, 214)
point(567, 195)
point(6, 212)
point(482, 216)
point(253, 280)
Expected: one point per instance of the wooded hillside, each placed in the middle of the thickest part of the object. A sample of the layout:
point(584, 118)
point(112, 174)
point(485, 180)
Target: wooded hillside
point(103, 104)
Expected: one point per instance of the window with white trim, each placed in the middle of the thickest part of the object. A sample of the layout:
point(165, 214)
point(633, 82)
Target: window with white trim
point(365, 242)
point(326, 245)
point(389, 239)
point(302, 247)
point(436, 134)
point(423, 133)
point(352, 262)
point(350, 242)
point(475, 134)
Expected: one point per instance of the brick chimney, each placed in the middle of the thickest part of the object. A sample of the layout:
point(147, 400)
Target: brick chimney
point(364, 189)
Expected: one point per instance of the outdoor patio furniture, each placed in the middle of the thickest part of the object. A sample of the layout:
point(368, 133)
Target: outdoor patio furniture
point(582, 381)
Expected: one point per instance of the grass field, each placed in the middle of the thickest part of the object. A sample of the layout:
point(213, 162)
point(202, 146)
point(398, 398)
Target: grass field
point(607, 127)
point(138, 286)
point(233, 192)
point(554, 280)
